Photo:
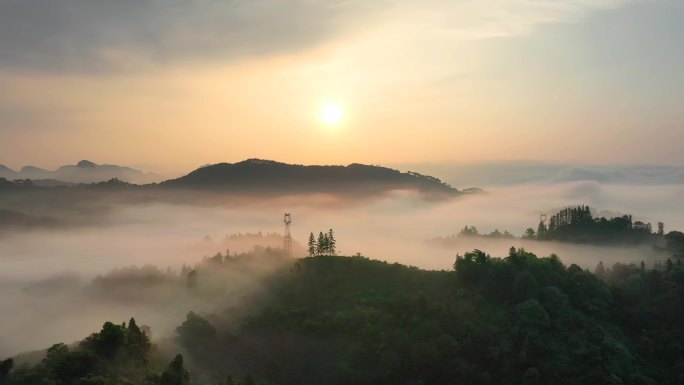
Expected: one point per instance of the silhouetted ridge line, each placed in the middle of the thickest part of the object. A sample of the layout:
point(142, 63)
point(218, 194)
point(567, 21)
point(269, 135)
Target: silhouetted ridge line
point(267, 175)
point(84, 171)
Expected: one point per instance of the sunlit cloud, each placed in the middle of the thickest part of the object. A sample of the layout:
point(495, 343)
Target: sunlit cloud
point(107, 35)
point(477, 19)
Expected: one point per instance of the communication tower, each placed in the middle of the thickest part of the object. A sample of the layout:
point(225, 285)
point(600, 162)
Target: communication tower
point(287, 238)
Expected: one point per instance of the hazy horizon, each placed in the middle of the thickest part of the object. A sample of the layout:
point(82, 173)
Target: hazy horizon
point(576, 82)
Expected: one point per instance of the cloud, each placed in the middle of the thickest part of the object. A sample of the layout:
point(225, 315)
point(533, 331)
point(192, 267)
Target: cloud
point(90, 35)
point(480, 19)
point(114, 35)
point(477, 19)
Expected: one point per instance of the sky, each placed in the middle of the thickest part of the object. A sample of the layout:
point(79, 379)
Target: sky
point(169, 85)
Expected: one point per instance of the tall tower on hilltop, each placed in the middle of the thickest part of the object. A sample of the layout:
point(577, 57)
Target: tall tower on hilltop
point(287, 238)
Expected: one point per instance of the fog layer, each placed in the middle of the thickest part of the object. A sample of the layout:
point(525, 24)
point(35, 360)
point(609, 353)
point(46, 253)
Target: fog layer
point(46, 277)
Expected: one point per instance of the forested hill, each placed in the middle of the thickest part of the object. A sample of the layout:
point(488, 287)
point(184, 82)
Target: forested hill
point(513, 320)
point(331, 320)
point(579, 225)
point(256, 175)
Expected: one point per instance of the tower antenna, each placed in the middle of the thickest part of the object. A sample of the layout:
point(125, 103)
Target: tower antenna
point(287, 238)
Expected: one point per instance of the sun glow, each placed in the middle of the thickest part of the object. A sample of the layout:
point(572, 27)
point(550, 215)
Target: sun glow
point(332, 114)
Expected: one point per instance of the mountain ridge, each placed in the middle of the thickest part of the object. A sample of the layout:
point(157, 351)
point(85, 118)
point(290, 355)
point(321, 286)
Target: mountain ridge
point(84, 171)
point(252, 177)
point(262, 174)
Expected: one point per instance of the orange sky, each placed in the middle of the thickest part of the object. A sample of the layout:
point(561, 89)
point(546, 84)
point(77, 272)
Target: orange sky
point(415, 85)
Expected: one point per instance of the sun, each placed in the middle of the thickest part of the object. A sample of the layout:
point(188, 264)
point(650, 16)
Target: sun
point(332, 114)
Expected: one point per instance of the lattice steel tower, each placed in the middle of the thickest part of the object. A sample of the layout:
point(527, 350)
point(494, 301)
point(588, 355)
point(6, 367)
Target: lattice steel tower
point(287, 239)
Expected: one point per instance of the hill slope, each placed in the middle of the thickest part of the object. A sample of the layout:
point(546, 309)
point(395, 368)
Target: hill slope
point(518, 320)
point(330, 320)
point(256, 175)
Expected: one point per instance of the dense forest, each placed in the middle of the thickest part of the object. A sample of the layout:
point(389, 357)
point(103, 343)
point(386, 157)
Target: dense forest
point(578, 225)
point(350, 320)
point(118, 354)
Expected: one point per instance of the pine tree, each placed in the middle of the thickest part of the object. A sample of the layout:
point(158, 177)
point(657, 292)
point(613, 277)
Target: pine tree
point(312, 245)
point(322, 246)
point(600, 271)
point(175, 373)
point(331, 243)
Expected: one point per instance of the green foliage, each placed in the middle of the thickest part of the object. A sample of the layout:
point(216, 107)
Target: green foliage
point(514, 320)
point(116, 355)
point(195, 333)
point(311, 245)
point(108, 342)
point(675, 243)
point(529, 234)
point(326, 244)
point(333, 320)
point(175, 373)
point(577, 225)
point(5, 367)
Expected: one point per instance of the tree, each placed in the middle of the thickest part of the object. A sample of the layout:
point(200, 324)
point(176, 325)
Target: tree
point(469, 231)
point(55, 353)
point(331, 243)
point(529, 234)
point(600, 270)
point(5, 367)
point(661, 229)
point(109, 341)
point(312, 245)
point(175, 373)
point(138, 343)
point(191, 279)
point(322, 245)
point(195, 331)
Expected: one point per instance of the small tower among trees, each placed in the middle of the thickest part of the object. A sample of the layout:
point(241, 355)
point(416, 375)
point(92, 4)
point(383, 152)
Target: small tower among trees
point(542, 229)
point(287, 238)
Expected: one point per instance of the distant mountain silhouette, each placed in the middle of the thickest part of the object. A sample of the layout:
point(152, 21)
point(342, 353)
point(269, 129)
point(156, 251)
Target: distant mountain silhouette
point(266, 176)
point(84, 171)
point(252, 176)
point(7, 173)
